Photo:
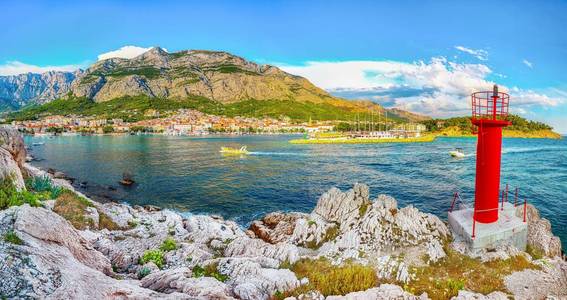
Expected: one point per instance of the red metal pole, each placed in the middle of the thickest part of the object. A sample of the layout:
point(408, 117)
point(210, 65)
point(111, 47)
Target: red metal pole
point(473, 224)
point(453, 203)
point(525, 206)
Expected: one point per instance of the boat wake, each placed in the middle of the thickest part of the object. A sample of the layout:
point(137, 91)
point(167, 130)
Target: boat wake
point(536, 149)
point(278, 153)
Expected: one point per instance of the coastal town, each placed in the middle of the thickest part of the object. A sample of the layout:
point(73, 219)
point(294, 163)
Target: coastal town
point(193, 122)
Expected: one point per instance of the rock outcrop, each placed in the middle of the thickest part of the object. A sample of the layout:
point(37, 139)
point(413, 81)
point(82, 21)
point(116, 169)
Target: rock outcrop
point(540, 237)
point(157, 253)
point(347, 225)
point(12, 156)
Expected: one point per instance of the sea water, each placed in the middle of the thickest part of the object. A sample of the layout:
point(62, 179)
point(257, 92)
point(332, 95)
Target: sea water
point(188, 174)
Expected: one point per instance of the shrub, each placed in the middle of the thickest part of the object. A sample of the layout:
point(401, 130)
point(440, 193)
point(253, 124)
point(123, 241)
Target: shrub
point(43, 184)
point(168, 245)
point(143, 272)
point(12, 237)
point(155, 256)
point(444, 279)
point(104, 221)
point(72, 207)
point(10, 196)
point(210, 270)
point(107, 129)
point(333, 280)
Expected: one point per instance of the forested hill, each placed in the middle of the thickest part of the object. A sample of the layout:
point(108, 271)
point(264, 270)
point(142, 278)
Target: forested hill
point(462, 126)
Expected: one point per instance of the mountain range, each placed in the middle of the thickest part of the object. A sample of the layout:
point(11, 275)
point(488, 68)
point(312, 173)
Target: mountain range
point(223, 79)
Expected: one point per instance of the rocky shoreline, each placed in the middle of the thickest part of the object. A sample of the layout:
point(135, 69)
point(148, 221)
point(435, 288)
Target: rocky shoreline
point(114, 250)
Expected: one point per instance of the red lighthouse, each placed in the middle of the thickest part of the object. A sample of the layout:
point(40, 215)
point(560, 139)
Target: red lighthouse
point(489, 112)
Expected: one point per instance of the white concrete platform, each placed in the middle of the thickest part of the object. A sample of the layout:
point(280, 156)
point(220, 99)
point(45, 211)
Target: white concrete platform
point(508, 230)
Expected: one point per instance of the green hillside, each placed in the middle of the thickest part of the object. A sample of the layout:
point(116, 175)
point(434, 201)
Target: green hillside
point(462, 126)
point(133, 108)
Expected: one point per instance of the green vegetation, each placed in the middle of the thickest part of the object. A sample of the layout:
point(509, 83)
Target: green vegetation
point(535, 252)
point(132, 108)
point(73, 208)
point(168, 245)
point(229, 68)
point(13, 238)
point(148, 72)
point(10, 196)
point(143, 272)
point(443, 279)
point(43, 184)
point(155, 256)
point(462, 126)
point(108, 129)
point(331, 234)
point(333, 280)
point(210, 270)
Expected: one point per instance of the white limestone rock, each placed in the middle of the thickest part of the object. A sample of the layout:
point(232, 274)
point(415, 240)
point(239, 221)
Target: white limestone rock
point(549, 282)
point(384, 291)
point(466, 295)
point(247, 247)
point(256, 279)
point(181, 280)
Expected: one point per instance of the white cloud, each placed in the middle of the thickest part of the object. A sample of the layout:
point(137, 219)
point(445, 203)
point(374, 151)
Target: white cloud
point(17, 67)
point(528, 63)
point(439, 88)
point(478, 53)
point(124, 52)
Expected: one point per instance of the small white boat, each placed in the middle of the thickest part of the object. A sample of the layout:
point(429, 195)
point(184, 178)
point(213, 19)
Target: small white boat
point(230, 150)
point(458, 153)
point(38, 144)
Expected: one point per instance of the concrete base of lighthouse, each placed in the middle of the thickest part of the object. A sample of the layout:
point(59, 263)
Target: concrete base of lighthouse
point(508, 230)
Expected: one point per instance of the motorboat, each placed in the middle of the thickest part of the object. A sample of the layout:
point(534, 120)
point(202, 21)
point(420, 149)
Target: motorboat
point(230, 150)
point(458, 153)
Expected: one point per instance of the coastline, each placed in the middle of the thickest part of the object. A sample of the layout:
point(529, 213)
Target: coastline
point(346, 232)
point(425, 139)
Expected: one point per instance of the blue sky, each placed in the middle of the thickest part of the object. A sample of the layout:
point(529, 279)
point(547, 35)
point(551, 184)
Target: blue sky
point(424, 56)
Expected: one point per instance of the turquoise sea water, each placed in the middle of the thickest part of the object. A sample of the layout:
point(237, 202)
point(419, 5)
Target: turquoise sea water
point(189, 174)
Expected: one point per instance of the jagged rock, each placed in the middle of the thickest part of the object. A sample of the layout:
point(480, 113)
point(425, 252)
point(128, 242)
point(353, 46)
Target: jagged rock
point(247, 247)
point(12, 156)
point(55, 262)
point(466, 295)
point(392, 268)
point(147, 231)
point(256, 278)
point(385, 291)
point(181, 280)
point(275, 227)
point(435, 251)
point(9, 169)
point(540, 236)
point(311, 295)
point(203, 229)
point(342, 208)
point(39, 223)
point(550, 281)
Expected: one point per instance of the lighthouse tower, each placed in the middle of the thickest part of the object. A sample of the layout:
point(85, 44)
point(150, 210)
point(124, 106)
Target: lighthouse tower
point(489, 115)
point(492, 221)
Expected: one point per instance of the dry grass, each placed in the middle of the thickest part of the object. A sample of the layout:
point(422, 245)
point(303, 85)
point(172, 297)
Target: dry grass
point(332, 280)
point(443, 280)
point(73, 208)
point(331, 234)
